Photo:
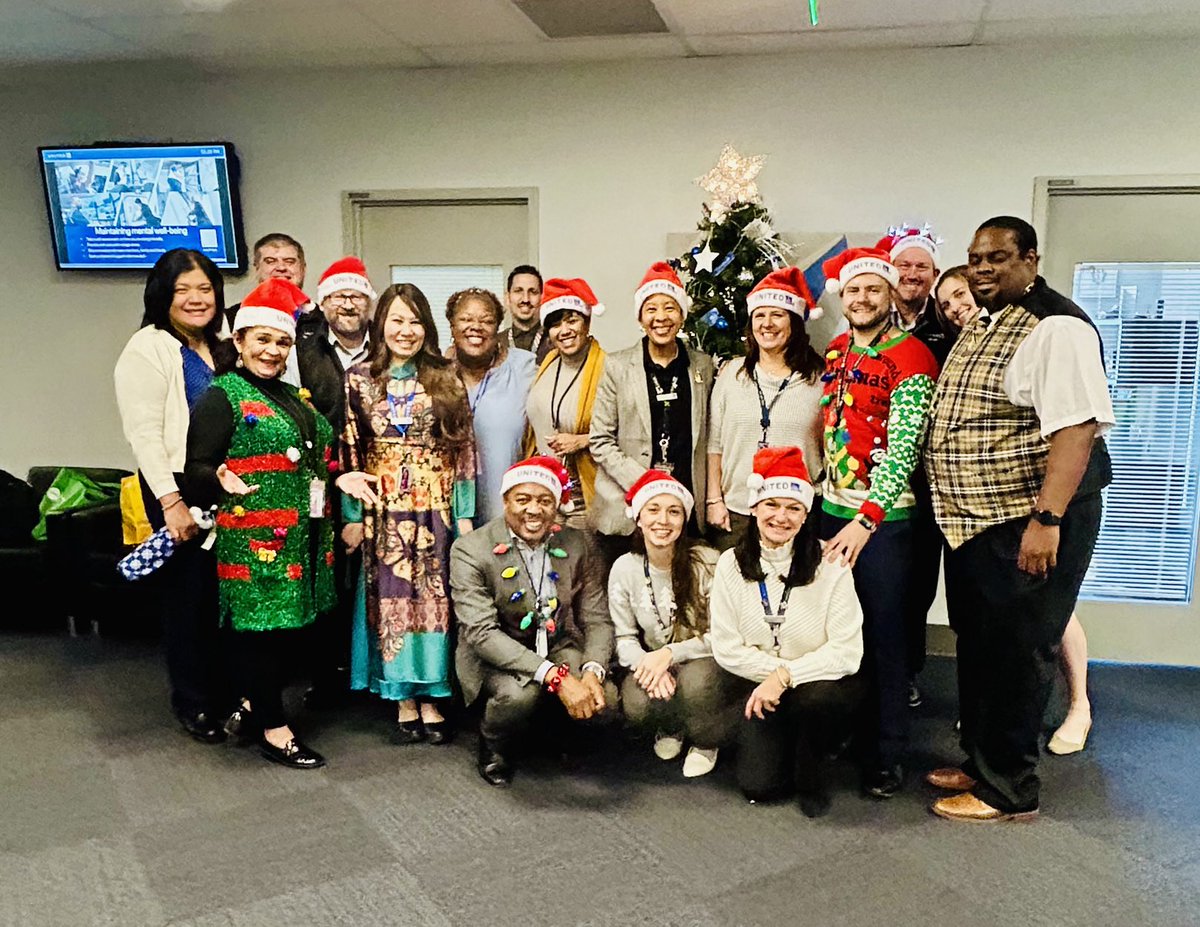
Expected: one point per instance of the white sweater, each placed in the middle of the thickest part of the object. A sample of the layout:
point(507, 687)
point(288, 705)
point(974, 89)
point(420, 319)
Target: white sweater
point(153, 406)
point(821, 634)
point(637, 627)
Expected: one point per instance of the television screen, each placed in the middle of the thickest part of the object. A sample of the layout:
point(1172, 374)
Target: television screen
point(120, 207)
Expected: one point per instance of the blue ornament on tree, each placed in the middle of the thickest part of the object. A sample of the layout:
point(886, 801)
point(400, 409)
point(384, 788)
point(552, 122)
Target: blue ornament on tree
point(711, 318)
point(722, 323)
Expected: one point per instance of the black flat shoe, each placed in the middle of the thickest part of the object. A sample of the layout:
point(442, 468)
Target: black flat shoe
point(293, 754)
point(883, 783)
point(815, 804)
point(243, 726)
point(408, 732)
point(201, 726)
point(438, 732)
point(494, 768)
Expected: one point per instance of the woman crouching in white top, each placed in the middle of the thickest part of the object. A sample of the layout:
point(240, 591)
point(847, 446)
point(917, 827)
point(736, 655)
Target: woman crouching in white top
point(790, 625)
point(658, 597)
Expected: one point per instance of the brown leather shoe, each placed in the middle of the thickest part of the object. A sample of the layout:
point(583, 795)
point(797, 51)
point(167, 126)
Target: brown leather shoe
point(951, 778)
point(966, 807)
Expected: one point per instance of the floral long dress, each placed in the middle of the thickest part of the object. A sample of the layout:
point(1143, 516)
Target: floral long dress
point(400, 645)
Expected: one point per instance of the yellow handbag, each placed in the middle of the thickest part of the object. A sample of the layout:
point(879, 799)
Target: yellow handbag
point(135, 527)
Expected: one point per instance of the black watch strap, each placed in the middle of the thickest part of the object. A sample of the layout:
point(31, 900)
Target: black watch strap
point(1049, 519)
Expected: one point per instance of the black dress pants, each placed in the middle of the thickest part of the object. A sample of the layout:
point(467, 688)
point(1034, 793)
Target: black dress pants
point(1010, 626)
point(781, 753)
point(196, 648)
point(265, 664)
point(927, 544)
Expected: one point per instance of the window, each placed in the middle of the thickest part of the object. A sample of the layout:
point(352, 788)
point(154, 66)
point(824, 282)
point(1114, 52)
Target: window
point(439, 281)
point(1149, 320)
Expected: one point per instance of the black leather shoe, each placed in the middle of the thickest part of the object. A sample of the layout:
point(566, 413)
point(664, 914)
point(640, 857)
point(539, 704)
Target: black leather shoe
point(815, 804)
point(408, 732)
point(494, 767)
point(293, 754)
point(243, 726)
point(200, 725)
point(438, 732)
point(885, 782)
point(915, 699)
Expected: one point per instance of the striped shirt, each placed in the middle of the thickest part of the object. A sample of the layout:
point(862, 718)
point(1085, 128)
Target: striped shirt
point(735, 426)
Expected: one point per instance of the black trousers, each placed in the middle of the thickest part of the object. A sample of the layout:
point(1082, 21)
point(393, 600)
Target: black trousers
point(511, 706)
point(265, 664)
point(198, 666)
point(1010, 626)
point(782, 752)
point(329, 637)
point(927, 544)
point(881, 581)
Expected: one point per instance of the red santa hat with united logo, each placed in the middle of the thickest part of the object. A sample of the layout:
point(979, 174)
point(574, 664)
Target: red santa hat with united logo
point(544, 471)
point(902, 237)
point(348, 273)
point(844, 267)
point(559, 295)
point(273, 303)
point(656, 483)
point(780, 473)
point(786, 288)
point(661, 278)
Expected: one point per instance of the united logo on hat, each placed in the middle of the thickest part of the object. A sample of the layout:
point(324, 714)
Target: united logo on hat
point(787, 289)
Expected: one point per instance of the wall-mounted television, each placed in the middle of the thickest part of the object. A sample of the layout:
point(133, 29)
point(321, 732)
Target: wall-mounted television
point(120, 206)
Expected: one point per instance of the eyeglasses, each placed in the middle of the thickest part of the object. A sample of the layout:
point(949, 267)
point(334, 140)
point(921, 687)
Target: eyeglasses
point(354, 299)
point(905, 267)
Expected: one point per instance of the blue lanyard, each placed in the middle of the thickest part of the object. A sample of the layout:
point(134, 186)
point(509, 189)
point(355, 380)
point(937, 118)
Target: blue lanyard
point(482, 389)
point(765, 420)
point(774, 619)
point(398, 413)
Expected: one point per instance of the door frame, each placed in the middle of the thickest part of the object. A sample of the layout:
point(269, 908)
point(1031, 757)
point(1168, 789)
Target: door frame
point(355, 201)
point(1100, 185)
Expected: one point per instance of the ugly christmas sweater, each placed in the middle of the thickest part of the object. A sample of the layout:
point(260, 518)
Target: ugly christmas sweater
point(875, 406)
point(274, 558)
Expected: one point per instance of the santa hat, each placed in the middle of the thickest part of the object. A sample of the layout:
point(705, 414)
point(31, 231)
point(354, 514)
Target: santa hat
point(786, 288)
point(843, 267)
point(661, 278)
point(903, 237)
point(273, 303)
point(780, 472)
point(347, 274)
point(559, 295)
point(656, 483)
point(545, 471)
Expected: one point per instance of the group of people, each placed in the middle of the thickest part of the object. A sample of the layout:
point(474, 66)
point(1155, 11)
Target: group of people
point(736, 556)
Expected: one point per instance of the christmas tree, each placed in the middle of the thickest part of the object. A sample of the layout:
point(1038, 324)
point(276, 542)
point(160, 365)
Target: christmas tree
point(737, 246)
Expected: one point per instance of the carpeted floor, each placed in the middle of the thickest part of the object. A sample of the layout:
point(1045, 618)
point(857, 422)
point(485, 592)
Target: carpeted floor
point(111, 816)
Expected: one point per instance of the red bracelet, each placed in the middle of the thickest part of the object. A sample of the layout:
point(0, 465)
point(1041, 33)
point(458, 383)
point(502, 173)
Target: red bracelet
point(555, 677)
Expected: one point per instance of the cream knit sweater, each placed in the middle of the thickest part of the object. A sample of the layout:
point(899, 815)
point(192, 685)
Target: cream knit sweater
point(153, 406)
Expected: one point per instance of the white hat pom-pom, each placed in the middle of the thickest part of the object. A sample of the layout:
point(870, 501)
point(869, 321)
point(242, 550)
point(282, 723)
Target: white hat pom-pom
point(597, 310)
point(630, 513)
point(754, 481)
point(833, 286)
point(568, 506)
point(815, 313)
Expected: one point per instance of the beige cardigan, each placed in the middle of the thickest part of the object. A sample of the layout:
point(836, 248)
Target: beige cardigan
point(153, 406)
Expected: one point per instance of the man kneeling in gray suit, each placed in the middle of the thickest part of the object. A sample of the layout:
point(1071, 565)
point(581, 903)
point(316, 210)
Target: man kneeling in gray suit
point(532, 615)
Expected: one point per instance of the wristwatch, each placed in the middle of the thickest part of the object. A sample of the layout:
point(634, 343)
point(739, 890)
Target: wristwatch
point(1044, 517)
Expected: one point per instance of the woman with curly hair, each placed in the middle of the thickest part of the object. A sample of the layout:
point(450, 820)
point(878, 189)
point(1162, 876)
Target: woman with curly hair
point(408, 453)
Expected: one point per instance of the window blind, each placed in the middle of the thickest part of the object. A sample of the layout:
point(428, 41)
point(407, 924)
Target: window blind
point(439, 281)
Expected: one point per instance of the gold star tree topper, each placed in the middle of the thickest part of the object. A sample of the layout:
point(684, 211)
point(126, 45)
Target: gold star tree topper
point(732, 180)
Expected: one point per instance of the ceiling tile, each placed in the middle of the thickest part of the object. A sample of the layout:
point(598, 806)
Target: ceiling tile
point(1083, 10)
point(708, 17)
point(1142, 25)
point(456, 22)
point(28, 37)
point(816, 40)
point(591, 49)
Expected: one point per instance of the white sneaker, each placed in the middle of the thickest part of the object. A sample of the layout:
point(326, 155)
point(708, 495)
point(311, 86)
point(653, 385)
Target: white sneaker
point(667, 746)
point(699, 762)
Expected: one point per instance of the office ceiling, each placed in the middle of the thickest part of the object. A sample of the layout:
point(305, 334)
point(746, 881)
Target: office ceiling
point(248, 35)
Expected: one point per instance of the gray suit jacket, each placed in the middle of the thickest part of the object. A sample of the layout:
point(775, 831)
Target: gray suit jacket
point(620, 435)
point(489, 624)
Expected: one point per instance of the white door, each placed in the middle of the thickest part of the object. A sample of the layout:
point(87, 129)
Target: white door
point(1127, 254)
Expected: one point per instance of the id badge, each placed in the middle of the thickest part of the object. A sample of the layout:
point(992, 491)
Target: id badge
point(316, 499)
point(665, 466)
point(667, 397)
point(542, 646)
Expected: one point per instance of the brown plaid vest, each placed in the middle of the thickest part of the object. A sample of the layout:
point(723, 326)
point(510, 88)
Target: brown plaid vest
point(985, 458)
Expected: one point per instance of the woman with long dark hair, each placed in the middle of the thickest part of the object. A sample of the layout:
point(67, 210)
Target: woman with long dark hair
point(789, 625)
point(164, 369)
point(772, 396)
point(658, 598)
point(409, 455)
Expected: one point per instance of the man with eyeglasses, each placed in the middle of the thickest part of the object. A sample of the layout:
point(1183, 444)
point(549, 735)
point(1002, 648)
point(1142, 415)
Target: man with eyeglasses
point(328, 343)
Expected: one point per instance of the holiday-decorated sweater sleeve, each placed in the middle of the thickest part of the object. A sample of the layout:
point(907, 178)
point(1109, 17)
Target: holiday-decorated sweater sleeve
point(907, 416)
point(210, 434)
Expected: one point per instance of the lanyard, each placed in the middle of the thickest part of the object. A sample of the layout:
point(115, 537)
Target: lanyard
point(482, 389)
point(664, 438)
point(658, 619)
point(765, 420)
point(555, 401)
point(541, 580)
point(847, 373)
point(774, 619)
point(401, 412)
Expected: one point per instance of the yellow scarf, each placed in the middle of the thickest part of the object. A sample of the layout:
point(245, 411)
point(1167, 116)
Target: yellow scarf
point(589, 381)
